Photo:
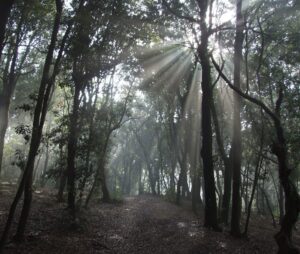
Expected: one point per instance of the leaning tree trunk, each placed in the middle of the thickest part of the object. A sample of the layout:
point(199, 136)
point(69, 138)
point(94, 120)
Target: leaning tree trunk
point(26, 209)
point(38, 123)
point(292, 198)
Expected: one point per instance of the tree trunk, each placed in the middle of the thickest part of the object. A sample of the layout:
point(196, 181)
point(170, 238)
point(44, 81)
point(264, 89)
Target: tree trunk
point(62, 184)
point(292, 199)
point(210, 217)
point(255, 182)
point(89, 196)
point(172, 178)
point(42, 178)
point(196, 193)
point(236, 139)
point(227, 168)
point(105, 192)
point(38, 123)
point(140, 171)
point(3, 126)
point(179, 189)
point(25, 211)
point(269, 207)
point(72, 146)
point(281, 203)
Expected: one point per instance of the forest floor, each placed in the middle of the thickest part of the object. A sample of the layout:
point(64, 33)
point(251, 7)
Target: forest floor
point(140, 224)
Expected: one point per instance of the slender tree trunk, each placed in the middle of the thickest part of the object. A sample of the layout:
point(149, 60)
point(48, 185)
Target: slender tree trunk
point(38, 123)
point(185, 187)
point(227, 168)
point(26, 208)
point(105, 191)
point(269, 207)
point(172, 178)
point(63, 175)
point(179, 189)
point(196, 193)
point(236, 139)
point(89, 145)
point(72, 147)
point(140, 170)
point(42, 178)
point(62, 184)
point(3, 126)
point(89, 196)
point(246, 189)
point(219, 192)
point(157, 179)
point(210, 217)
point(292, 198)
point(281, 203)
point(255, 182)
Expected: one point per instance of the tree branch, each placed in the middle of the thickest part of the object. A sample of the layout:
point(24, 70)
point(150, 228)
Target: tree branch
point(244, 95)
point(179, 15)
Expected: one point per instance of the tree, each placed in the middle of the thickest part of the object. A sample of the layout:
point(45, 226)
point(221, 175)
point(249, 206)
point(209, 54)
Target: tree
point(39, 118)
point(210, 219)
point(14, 63)
point(292, 204)
point(236, 139)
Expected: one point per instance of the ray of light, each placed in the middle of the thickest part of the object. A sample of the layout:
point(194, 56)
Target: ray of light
point(178, 72)
point(165, 68)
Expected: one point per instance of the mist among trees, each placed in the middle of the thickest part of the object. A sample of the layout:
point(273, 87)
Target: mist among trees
point(149, 126)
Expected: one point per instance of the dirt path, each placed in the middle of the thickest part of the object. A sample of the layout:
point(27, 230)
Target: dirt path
point(143, 224)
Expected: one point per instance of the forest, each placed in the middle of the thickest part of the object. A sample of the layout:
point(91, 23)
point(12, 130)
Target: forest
point(149, 126)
